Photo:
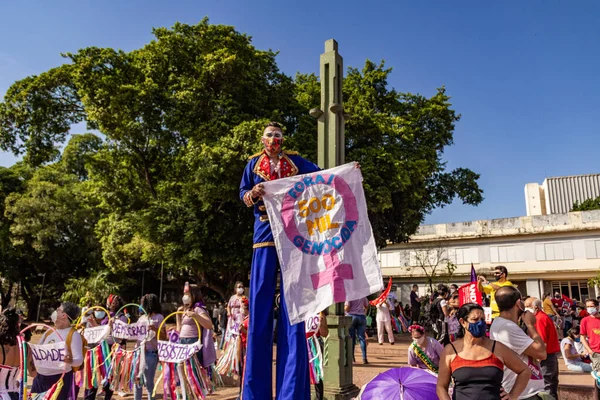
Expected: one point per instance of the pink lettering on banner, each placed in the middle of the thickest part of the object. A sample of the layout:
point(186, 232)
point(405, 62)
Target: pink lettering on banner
point(335, 272)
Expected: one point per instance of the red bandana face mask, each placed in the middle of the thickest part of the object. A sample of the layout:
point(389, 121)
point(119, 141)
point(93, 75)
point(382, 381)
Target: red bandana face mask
point(273, 144)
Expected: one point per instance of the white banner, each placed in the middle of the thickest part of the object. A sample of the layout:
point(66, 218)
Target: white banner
point(176, 352)
point(323, 238)
point(137, 331)
point(49, 356)
point(96, 334)
point(312, 323)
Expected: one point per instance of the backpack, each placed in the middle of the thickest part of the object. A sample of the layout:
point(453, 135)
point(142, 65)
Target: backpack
point(84, 347)
point(434, 311)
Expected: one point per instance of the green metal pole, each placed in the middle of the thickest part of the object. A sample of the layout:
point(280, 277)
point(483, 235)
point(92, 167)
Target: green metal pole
point(337, 368)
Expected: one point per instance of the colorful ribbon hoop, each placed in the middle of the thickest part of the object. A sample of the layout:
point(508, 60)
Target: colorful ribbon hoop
point(23, 357)
point(158, 335)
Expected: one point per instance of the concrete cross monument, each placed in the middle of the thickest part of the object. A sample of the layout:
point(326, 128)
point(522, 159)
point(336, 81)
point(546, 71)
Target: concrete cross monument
point(331, 153)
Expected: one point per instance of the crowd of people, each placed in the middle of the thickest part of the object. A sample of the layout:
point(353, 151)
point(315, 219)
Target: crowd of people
point(517, 356)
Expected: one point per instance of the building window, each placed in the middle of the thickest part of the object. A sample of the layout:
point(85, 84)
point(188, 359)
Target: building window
point(592, 249)
point(573, 289)
point(390, 259)
point(554, 251)
point(506, 254)
point(464, 255)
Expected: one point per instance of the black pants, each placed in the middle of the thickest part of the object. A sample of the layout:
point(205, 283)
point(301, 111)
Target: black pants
point(43, 383)
point(550, 373)
point(415, 314)
point(90, 394)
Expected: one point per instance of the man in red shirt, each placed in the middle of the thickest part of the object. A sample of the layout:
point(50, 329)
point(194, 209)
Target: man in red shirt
point(545, 327)
point(590, 336)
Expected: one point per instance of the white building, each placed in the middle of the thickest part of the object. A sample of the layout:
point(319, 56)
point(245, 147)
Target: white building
point(557, 195)
point(542, 253)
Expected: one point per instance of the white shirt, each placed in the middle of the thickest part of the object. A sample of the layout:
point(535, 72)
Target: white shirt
point(573, 350)
point(383, 312)
point(76, 346)
point(509, 334)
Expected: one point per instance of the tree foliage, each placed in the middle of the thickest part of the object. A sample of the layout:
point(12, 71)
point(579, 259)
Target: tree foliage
point(587, 205)
point(176, 120)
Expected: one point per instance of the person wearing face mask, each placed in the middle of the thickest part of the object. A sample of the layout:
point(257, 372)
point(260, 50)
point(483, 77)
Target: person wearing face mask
point(590, 336)
point(564, 305)
point(477, 364)
point(195, 311)
point(501, 276)
point(234, 306)
point(66, 315)
point(529, 346)
point(453, 288)
point(292, 358)
point(574, 361)
point(545, 327)
point(424, 351)
point(98, 318)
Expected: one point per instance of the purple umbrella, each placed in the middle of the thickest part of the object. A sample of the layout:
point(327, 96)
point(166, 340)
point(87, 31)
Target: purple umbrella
point(404, 383)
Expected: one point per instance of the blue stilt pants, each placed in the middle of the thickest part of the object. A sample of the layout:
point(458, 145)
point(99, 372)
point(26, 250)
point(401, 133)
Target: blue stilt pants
point(292, 380)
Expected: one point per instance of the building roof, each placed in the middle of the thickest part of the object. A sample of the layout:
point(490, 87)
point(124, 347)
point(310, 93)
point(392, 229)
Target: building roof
point(503, 227)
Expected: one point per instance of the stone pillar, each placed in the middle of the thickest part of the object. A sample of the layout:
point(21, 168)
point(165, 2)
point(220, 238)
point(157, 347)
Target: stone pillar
point(337, 368)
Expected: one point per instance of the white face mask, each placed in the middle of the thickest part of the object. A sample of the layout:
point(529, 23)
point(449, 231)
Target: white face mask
point(53, 316)
point(592, 310)
point(240, 290)
point(530, 309)
point(186, 299)
point(420, 340)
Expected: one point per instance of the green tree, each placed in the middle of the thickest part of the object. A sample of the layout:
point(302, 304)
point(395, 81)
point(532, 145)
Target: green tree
point(52, 230)
point(587, 205)
point(178, 119)
point(94, 288)
point(37, 114)
point(399, 140)
point(11, 181)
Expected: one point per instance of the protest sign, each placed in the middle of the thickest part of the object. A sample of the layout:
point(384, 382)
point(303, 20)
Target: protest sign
point(123, 330)
point(323, 238)
point(469, 293)
point(176, 352)
point(312, 323)
point(488, 314)
point(49, 356)
point(96, 334)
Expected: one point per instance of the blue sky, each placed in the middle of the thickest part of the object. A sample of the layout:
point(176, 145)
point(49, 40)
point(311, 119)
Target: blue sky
point(523, 74)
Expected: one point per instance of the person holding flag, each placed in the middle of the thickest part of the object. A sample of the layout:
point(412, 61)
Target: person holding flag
point(292, 379)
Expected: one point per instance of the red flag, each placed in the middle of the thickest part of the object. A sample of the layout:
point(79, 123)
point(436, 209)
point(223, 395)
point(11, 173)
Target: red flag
point(469, 293)
point(383, 296)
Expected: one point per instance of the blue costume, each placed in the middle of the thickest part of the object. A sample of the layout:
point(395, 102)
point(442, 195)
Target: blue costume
point(292, 379)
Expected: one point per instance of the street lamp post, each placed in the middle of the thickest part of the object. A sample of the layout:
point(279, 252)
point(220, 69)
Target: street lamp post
point(162, 264)
point(41, 294)
point(143, 270)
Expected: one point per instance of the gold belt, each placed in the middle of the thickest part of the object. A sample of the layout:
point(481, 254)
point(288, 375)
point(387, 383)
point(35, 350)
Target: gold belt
point(263, 244)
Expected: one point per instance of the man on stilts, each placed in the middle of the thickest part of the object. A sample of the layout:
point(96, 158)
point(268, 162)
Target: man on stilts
point(292, 379)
